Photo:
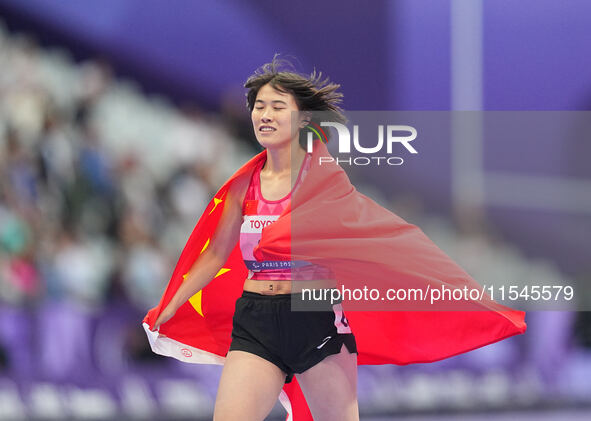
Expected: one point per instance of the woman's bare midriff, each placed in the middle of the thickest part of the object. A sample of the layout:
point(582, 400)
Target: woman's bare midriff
point(272, 287)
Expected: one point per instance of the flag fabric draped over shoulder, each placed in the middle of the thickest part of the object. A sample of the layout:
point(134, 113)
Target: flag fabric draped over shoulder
point(329, 222)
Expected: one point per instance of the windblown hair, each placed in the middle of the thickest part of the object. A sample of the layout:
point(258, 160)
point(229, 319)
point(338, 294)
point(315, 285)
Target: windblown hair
point(311, 93)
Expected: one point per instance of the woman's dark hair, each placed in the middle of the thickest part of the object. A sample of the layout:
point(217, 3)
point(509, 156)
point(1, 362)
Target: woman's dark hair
point(311, 93)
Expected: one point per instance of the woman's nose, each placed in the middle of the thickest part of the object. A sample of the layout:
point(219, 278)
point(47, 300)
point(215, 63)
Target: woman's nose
point(267, 115)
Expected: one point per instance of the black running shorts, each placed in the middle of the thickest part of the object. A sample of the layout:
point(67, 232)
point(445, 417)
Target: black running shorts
point(294, 341)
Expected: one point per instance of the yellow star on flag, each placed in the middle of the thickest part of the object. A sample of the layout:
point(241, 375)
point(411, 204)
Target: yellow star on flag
point(195, 300)
point(205, 246)
point(215, 201)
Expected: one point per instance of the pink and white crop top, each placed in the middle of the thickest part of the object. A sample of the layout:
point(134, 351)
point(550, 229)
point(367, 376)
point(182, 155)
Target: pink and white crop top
point(257, 213)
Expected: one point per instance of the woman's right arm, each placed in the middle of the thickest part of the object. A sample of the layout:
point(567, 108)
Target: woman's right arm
point(211, 260)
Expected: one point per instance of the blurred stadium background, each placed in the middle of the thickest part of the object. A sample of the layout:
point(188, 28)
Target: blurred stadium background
point(112, 118)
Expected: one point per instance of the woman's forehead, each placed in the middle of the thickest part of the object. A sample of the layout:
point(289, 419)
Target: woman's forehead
point(269, 93)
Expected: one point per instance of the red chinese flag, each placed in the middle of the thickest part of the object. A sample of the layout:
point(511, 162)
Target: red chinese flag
point(330, 223)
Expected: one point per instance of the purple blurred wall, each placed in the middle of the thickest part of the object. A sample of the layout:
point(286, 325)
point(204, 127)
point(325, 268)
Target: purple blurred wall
point(200, 49)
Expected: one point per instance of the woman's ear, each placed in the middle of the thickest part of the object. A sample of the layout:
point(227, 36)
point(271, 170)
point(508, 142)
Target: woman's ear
point(306, 118)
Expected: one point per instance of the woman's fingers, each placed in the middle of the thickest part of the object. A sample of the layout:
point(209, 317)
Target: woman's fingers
point(162, 318)
point(157, 323)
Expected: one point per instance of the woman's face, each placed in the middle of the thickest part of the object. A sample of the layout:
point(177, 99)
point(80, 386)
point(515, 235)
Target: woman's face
point(272, 117)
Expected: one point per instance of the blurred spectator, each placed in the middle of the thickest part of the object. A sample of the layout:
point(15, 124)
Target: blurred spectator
point(145, 270)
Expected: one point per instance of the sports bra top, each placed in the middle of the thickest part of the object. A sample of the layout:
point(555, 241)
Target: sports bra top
point(257, 213)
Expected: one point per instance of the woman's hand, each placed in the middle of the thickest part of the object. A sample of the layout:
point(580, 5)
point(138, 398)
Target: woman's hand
point(166, 314)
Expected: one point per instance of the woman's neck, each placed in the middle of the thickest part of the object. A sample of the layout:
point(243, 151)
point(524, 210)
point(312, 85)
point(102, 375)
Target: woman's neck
point(284, 160)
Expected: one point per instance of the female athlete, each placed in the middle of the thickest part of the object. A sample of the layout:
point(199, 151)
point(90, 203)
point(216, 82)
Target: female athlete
point(270, 343)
